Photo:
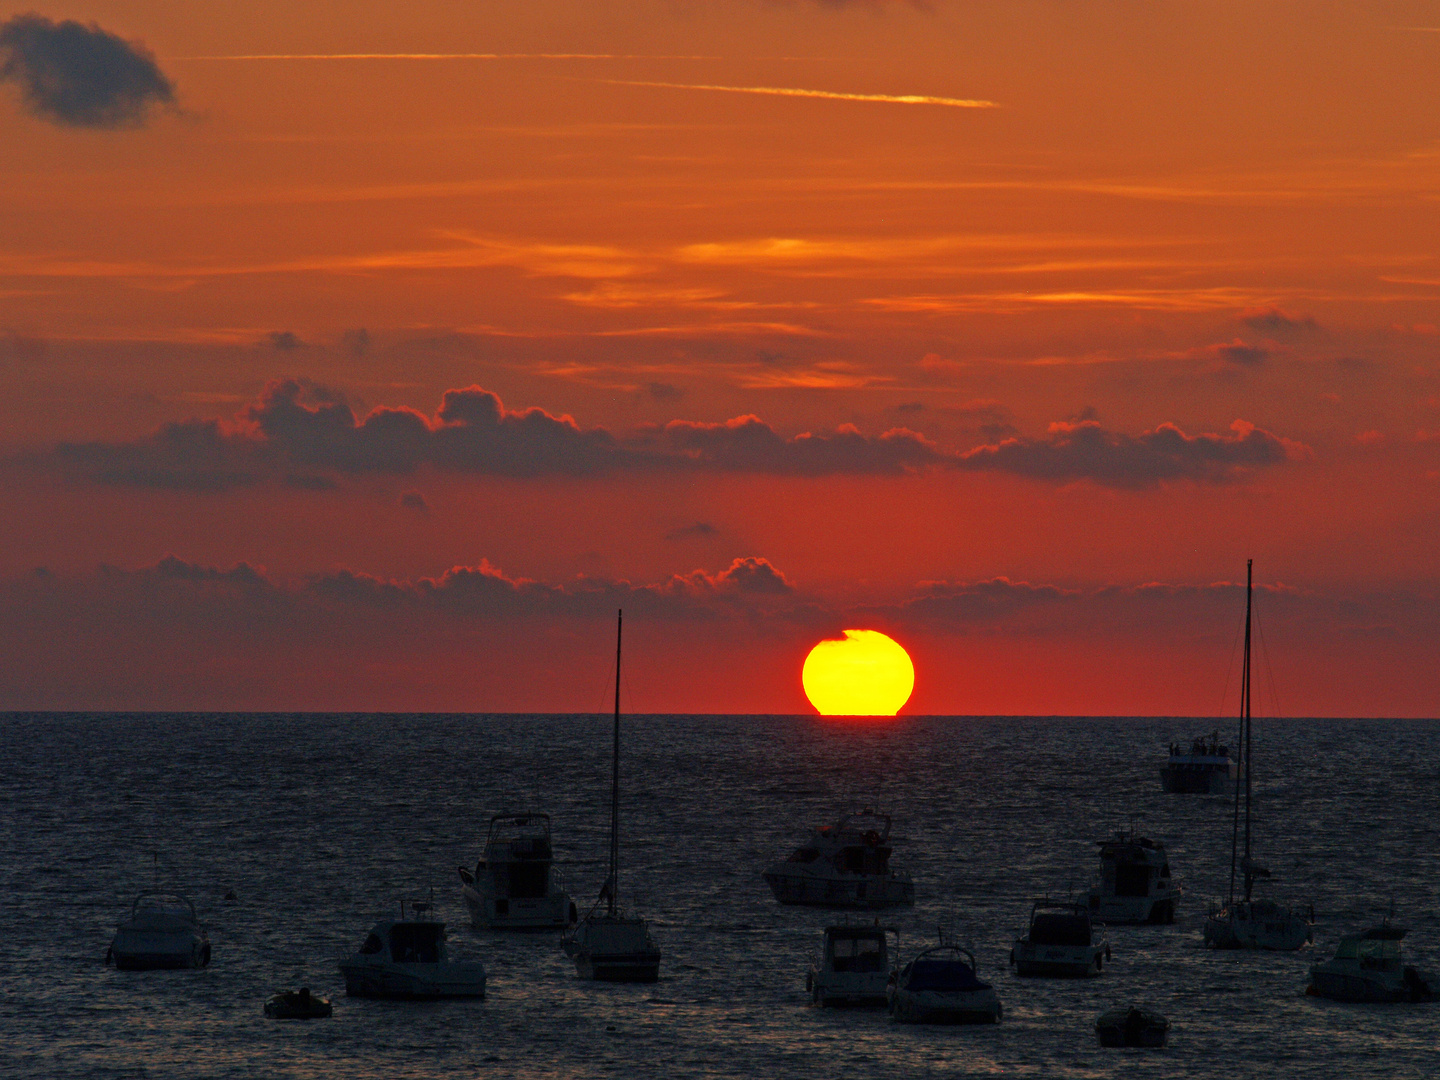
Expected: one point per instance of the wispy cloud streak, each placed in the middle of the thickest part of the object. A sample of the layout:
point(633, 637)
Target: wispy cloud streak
point(447, 56)
point(829, 95)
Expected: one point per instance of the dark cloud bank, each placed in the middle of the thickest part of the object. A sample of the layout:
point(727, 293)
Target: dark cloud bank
point(81, 76)
point(305, 435)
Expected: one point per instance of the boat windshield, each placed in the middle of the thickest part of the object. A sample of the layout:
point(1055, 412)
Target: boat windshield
point(1368, 949)
point(415, 943)
point(857, 951)
point(1055, 929)
point(805, 855)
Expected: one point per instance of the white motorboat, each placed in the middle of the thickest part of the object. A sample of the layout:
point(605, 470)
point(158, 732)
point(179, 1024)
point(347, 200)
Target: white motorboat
point(1369, 967)
point(940, 986)
point(1245, 923)
point(609, 945)
point(1206, 768)
point(854, 966)
point(1132, 1027)
point(1061, 942)
point(408, 958)
point(845, 865)
point(515, 885)
point(1135, 885)
point(161, 932)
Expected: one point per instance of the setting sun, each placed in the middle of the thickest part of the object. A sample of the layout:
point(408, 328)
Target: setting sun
point(865, 674)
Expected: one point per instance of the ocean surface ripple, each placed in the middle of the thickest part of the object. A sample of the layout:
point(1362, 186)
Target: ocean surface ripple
point(317, 824)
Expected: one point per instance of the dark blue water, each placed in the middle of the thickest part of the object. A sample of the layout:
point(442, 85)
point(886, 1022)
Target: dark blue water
point(318, 823)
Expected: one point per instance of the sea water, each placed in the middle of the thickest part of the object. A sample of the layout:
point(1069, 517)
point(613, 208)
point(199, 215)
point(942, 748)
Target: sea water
point(316, 825)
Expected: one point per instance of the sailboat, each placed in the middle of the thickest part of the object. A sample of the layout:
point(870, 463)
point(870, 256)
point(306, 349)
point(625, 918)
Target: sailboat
point(609, 945)
point(1248, 923)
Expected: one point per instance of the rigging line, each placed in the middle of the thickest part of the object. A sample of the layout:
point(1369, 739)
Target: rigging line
point(1230, 669)
point(1269, 671)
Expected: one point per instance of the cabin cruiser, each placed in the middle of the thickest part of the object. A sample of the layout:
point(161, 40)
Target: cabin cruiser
point(843, 865)
point(1243, 922)
point(939, 986)
point(515, 886)
point(406, 958)
point(1369, 967)
point(161, 932)
point(1135, 885)
point(854, 966)
point(1132, 1027)
point(609, 945)
point(1061, 942)
point(1206, 768)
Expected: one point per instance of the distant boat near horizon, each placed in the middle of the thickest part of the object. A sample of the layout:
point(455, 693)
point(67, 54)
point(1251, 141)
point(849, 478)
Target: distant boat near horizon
point(1206, 768)
point(845, 865)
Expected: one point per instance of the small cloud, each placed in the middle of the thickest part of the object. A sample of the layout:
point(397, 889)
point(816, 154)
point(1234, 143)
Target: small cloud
point(661, 391)
point(81, 76)
point(1238, 352)
point(910, 407)
point(702, 529)
point(283, 341)
point(305, 482)
point(355, 343)
point(23, 348)
point(1085, 415)
point(1370, 438)
point(413, 500)
point(1278, 323)
point(1354, 363)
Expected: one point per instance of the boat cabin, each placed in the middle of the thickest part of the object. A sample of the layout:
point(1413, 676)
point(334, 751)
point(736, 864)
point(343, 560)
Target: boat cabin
point(1068, 928)
point(855, 949)
point(407, 942)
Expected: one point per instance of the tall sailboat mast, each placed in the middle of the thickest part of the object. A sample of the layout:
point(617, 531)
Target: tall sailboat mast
point(613, 884)
point(1243, 742)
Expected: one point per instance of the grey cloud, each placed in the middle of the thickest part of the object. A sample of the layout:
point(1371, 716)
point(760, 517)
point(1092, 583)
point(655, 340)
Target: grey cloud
point(698, 529)
point(356, 343)
point(1087, 451)
point(1279, 323)
point(284, 340)
point(81, 76)
point(413, 500)
point(1238, 352)
point(305, 435)
point(662, 391)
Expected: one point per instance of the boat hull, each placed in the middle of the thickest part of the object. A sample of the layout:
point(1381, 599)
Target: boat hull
point(839, 891)
point(1272, 931)
point(632, 968)
point(847, 988)
point(1132, 1027)
point(1191, 780)
point(1358, 988)
point(945, 1007)
point(545, 913)
point(412, 982)
point(1057, 961)
point(149, 951)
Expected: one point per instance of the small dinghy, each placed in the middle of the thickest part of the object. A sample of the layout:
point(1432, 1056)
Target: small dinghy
point(162, 932)
point(940, 987)
point(406, 958)
point(297, 1005)
point(1132, 1027)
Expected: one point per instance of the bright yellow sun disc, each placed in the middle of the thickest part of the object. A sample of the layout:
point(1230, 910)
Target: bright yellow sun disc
point(866, 674)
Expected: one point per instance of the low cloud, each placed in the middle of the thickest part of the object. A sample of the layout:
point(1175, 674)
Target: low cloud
point(305, 435)
point(1087, 451)
point(81, 76)
point(700, 530)
point(1238, 352)
point(413, 500)
point(1278, 323)
point(284, 341)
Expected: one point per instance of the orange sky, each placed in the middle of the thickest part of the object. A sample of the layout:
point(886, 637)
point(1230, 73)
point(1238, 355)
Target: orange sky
point(1049, 315)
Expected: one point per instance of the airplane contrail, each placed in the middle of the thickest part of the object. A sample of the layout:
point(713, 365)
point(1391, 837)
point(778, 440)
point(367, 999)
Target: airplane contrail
point(832, 95)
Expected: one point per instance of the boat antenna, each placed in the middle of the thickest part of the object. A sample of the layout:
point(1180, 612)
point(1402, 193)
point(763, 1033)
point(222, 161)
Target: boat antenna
point(613, 881)
point(1243, 747)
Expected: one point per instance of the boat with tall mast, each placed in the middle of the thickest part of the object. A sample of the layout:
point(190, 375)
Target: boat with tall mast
point(1246, 923)
point(609, 945)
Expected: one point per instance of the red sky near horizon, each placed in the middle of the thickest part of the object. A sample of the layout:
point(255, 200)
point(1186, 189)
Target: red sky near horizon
point(360, 357)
